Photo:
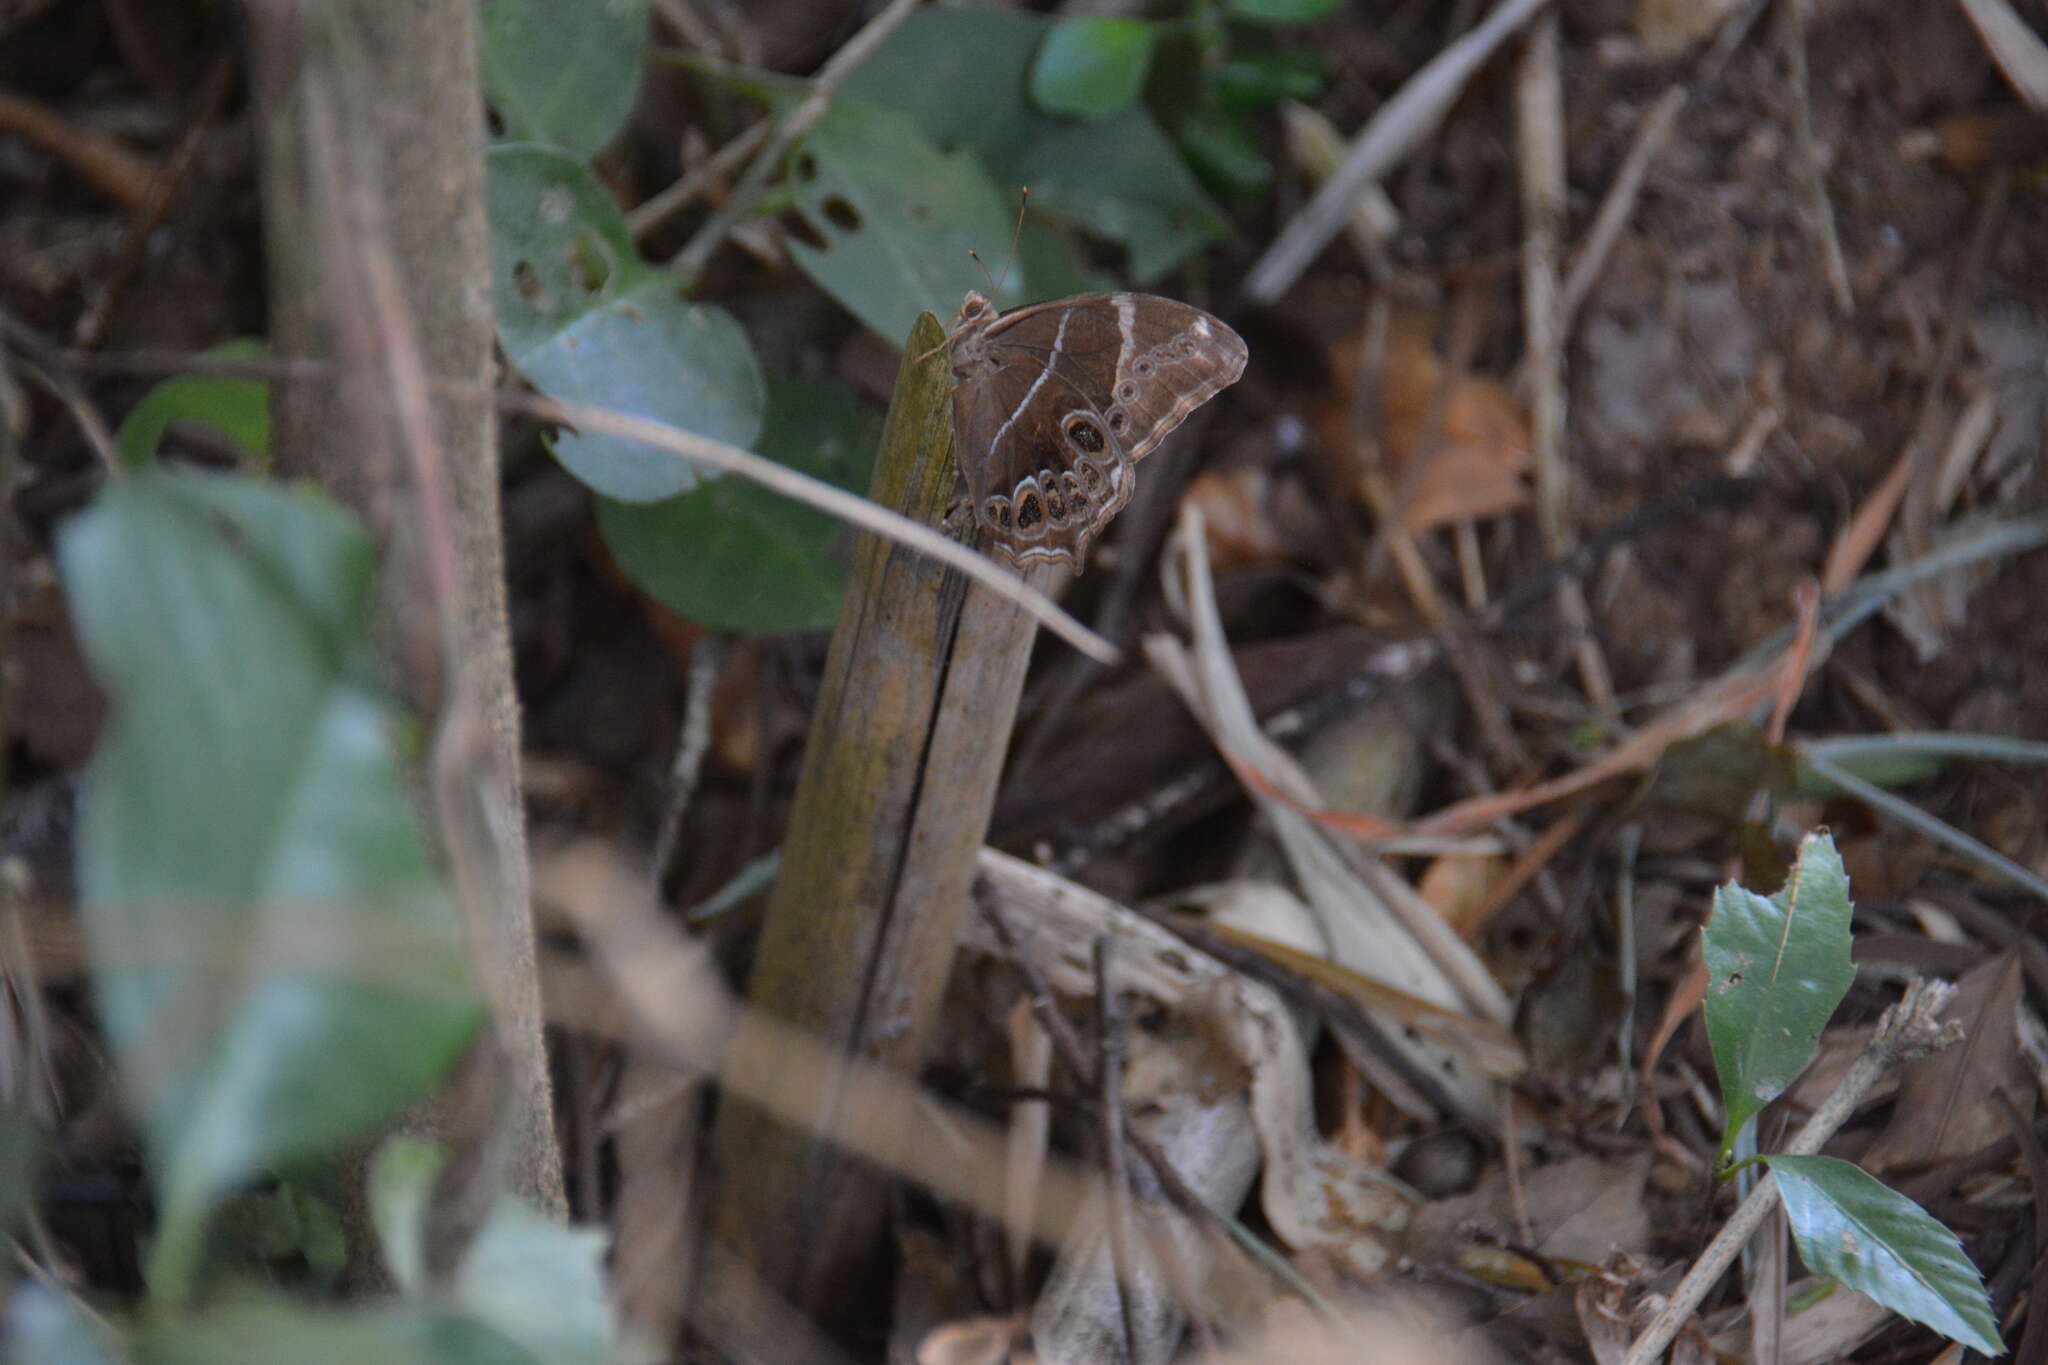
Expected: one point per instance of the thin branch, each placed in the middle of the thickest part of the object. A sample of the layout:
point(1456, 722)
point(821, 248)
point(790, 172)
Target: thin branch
point(707, 658)
point(656, 212)
point(1109, 1072)
point(1812, 181)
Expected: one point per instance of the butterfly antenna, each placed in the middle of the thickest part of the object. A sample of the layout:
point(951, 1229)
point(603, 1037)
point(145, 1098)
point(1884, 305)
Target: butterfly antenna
point(993, 288)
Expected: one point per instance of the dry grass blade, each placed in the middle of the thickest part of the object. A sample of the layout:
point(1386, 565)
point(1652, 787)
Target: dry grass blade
point(1400, 125)
point(2021, 55)
point(837, 501)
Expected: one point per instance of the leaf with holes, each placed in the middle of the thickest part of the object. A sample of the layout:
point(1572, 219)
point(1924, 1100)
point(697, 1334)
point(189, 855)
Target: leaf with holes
point(585, 320)
point(1776, 969)
point(563, 74)
point(1851, 1226)
point(734, 556)
point(888, 220)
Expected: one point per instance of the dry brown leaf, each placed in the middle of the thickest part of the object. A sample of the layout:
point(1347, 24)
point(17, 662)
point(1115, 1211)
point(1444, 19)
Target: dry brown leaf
point(1311, 1193)
point(1237, 504)
point(1602, 1305)
point(1472, 470)
point(1945, 1107)
point(1457, 885)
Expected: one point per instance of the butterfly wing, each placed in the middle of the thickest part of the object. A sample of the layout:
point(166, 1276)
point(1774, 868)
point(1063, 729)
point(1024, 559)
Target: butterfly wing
point(1057, 399)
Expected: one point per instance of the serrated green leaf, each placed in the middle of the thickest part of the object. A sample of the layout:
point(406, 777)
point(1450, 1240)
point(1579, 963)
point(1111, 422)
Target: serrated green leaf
point(563, 74)
point(734, 556)
point(1092, 65)
point(963, 77)
point(239, 409)
point(585, 320)
point(1850, 1226)
point(277, 969)
point(1776, 970)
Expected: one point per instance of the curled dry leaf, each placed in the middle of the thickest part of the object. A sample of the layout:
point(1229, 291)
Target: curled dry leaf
point(1474, 467)
point(1312, 1194)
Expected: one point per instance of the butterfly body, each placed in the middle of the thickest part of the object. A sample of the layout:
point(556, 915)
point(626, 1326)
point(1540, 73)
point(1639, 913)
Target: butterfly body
point(1056, 401)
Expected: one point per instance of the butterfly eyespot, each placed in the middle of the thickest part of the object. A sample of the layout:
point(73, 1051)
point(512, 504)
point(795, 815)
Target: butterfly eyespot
point(1118, 420)
point(1126, 392)
point(1143, 368)
point(1055, 501)
point(1092, 479)
point(1085, 434)
point(1029, 514)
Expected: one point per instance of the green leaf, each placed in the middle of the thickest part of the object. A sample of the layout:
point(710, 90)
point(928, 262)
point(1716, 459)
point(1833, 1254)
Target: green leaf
point(1247, 82)
point(239, 409)
point(257, 1330)
point(540, 1284)
point(1776, 969)
point(1092, 66)
point(525, 1277)
point(1223, 149)
point(277, 969)
point(282, 1227)
point(563, 74)
point(1850, 1226)
point(734, 556)
point(586, 321)
point(1280, 11)
point(963, 77)
point(891, 219)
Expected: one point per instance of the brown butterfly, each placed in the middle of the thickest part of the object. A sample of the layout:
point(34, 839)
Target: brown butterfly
point(1057, 400)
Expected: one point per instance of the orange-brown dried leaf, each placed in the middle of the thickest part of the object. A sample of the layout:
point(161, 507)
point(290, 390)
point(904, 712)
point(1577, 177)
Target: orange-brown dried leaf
point(1476, 463)
point(1235, 506)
